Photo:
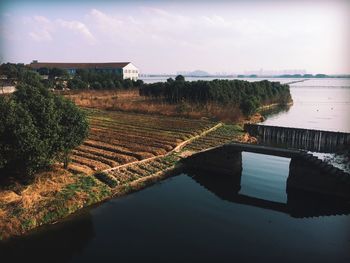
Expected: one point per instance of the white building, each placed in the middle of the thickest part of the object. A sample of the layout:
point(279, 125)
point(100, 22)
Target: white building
point(130, 71)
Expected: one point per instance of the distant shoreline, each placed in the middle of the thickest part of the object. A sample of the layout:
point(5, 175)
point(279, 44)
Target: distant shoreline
point(245, 76)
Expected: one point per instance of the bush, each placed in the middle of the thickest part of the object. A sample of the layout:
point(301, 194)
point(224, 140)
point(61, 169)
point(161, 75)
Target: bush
point(76, 83)
point(37, 128)
point(248, 106)
point(96, 85)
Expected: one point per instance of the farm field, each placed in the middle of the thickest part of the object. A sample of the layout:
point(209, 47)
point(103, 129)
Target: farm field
point(117, 138)
point(126, 173)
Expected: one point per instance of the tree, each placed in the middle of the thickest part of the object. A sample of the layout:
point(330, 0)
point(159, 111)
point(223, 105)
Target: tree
point(249, 105)
point(31, 77)
point(37, 128)
point(128, 84)
point(58, 73)
point(96, 85)
point(180, 78)
point(76, 83)
point(73, 128)
point(138, 83)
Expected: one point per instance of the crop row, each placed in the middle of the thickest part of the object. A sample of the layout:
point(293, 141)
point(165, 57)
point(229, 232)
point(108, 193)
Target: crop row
point(118, 138)
point(138, 170)
point(220, 136)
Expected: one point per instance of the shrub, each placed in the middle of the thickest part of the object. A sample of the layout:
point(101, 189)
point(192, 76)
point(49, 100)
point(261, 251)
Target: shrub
point(96, 85)
point(76, 83)
point(37, 128)
point(248, 106)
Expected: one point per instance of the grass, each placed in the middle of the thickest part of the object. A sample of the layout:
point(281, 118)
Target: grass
point(36, 206)
point(131, 101)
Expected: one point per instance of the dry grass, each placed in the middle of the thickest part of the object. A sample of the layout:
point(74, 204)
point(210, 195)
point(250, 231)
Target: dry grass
point(51, 196)
point(131, 101)
point(45, 186)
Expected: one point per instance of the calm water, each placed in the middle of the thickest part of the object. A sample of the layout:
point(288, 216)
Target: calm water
point(318, 104)
point(211, 218)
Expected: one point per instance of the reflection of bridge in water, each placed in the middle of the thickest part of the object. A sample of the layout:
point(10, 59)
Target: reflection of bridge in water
point(313, 187)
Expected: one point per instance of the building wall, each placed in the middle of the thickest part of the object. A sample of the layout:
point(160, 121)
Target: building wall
point(130, 72)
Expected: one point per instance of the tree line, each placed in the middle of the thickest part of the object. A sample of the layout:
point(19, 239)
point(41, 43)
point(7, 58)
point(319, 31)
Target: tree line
point(92, 79)
point(247, 95)
point(59, 79)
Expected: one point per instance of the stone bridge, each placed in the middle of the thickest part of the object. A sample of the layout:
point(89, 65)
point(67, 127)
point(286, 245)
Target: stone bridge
point(220, 171)
point(307, 139)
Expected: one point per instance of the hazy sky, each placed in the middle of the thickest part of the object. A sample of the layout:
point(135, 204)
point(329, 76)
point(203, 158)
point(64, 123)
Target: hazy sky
point(168, 36)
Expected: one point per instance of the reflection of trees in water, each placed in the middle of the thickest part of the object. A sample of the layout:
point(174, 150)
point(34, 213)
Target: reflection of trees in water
point(54, 243)
point(268, 113)
point(299, 204)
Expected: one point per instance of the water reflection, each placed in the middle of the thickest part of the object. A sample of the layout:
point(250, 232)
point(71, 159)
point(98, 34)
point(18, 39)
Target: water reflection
point(53, 243)
point(275, 111)
point(299, 204)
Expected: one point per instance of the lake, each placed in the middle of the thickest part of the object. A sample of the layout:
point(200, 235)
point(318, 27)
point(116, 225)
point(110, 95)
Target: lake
point(210, 218)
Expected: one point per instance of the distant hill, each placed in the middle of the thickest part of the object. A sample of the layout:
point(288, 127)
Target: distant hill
point(195, 73)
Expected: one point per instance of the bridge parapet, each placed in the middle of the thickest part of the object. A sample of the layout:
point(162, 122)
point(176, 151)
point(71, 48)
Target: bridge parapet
point(307, 139)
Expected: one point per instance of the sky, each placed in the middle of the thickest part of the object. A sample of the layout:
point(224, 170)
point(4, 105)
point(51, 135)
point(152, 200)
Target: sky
point(170, 36)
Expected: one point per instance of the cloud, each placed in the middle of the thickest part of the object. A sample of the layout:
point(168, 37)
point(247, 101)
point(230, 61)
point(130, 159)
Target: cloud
point(40, 35)
point(158, 27)
point(77, 26)
point(43, 29)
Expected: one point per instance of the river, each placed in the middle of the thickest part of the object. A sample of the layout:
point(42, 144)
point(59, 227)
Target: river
point(200, 218)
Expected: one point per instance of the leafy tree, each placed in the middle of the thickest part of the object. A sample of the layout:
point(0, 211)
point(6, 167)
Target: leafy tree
point(43, 71)
point(128, 84)
point(37, 128)
point(76, 83)
point(180, 78)
point(96, 85)
point(118, 85)
point(31, 78)
point(108, 84)
point(138, 83)
point(248, 106)
point(58, 73)
point(73, 128)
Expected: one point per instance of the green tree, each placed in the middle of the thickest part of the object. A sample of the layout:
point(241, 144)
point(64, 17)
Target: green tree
point(37, 128)
point(76, 83)
point(58, 73)
point(180, 78)
point(73, 128)
point(127, 84)
point(96, 85)
point(248, 106)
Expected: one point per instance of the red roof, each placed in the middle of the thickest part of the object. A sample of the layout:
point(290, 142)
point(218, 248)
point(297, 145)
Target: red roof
point(37, 65)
